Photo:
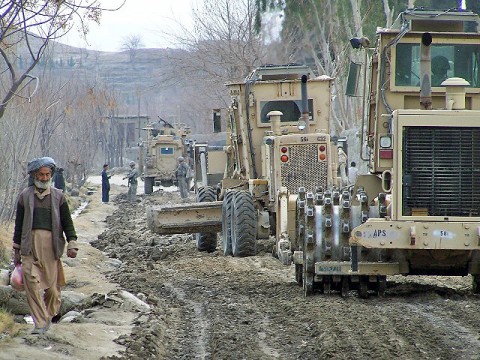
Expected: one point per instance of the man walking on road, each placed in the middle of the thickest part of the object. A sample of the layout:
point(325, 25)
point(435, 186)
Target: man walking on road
point(42, 219)
point(105, 184)
point(132, 183)
point(181, 175)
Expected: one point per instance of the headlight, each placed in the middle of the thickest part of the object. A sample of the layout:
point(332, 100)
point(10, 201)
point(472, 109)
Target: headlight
point(385, 141)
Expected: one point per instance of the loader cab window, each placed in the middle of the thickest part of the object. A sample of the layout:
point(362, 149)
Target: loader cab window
point(291, 110)
point(447, 60)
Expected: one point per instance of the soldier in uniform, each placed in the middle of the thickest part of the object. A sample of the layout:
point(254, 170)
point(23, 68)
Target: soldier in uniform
point(181, 175)
point(132, 182)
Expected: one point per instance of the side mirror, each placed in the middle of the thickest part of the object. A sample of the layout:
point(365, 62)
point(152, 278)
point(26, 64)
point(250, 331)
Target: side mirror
point(353, 79)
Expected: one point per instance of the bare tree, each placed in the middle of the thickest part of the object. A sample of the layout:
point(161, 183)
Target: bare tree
point(222, 46)
point(132, 43)
point(65, 121)
point(26, 29)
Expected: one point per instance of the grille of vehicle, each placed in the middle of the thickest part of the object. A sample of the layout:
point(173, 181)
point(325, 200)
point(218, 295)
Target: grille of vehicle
point(441, 171)
point(304, 169)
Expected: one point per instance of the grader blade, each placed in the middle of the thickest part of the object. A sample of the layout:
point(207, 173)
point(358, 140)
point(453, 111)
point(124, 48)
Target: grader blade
point(185, 218)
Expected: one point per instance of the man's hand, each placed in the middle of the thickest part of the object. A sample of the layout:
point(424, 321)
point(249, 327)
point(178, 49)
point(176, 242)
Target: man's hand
point(17, 258)
point(72, 253)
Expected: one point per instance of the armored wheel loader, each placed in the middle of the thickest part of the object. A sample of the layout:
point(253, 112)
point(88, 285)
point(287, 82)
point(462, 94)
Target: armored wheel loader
point(418, 211)
point(278, 140)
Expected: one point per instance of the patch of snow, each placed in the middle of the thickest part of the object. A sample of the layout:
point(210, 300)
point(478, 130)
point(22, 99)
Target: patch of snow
point(79, 210)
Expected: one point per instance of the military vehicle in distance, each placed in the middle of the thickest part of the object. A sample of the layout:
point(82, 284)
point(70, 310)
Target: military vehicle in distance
point(163, 146)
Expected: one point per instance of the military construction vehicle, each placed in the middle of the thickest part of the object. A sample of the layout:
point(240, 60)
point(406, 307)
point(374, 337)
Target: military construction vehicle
point(208, 165)
point(418, 211)
point(278, 140)
point(163, 146)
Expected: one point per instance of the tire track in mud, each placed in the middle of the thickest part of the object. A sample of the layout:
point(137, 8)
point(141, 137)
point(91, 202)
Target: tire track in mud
point(263, 345)
point(200, 324)
point(215, 307)
point(463, 341)
point(229, 289)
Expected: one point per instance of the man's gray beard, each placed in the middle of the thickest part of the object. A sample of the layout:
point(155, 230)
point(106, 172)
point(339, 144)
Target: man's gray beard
point(44, 185)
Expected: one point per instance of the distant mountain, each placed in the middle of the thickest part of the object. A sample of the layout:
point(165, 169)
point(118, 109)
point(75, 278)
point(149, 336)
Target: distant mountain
point(143, 81)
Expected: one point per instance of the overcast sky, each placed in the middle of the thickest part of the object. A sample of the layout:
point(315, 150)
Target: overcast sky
point(146, 18)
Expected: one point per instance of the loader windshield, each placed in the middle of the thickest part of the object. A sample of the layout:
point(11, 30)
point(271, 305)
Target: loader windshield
point(447, 60)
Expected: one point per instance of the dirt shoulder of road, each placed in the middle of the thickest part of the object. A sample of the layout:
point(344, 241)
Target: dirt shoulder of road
point(94, 331)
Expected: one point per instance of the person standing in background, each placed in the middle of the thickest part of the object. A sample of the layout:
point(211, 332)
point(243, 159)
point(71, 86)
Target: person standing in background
point(132, 183)
point(181, 175)
point(352, 173)
point(59, 179)
point(105, 184)
point(440, 67)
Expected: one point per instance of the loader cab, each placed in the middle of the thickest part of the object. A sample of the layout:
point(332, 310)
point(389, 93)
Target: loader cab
point(449, 59)
point(395, 71)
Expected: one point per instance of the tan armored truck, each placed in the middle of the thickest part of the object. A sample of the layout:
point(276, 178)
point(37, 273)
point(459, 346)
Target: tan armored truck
point(418, 211)
point(278, 140)
point(163, 146)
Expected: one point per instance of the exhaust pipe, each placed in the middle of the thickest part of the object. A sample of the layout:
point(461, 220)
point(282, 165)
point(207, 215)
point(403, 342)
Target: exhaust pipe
point(425, 72)
point(305, 115)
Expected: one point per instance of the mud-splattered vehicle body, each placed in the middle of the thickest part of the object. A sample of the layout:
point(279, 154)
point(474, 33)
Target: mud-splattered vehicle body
point(278, 140)
point(418, 211)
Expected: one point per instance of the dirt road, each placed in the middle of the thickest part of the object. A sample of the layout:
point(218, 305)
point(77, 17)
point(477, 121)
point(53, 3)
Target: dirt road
point(208, 306)
point(92, 334)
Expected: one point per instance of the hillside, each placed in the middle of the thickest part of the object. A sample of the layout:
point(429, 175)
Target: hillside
point(143, 84)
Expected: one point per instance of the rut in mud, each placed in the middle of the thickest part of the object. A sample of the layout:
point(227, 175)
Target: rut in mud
point(209, 306)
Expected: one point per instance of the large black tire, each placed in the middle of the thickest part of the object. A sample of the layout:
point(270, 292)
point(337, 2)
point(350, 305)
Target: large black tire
point(244, 225)
point(148, 185)
point(299, 274)
point(227, 223)
point(206, 241)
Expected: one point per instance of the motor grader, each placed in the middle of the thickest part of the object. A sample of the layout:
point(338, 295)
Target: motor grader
point(418, 210)
point(163, 146)
point(278, 140)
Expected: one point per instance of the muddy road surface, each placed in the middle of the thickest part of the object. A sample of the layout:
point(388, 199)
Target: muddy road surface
point(208, 306)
